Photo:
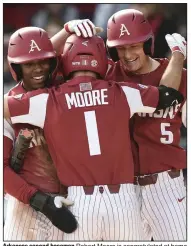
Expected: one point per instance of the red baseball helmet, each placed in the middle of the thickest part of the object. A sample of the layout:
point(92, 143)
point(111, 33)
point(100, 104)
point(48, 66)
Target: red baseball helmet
point(87, 54)
point(28, 44)
point(129, 26)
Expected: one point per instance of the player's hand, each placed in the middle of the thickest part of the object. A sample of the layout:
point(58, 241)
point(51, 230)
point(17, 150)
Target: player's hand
point(177, 43)
point(55, 209)
point(59, 201)
point(84, 28)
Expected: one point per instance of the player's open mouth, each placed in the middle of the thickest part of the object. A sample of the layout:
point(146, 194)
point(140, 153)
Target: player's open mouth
point(39, 78)
point(131, 61)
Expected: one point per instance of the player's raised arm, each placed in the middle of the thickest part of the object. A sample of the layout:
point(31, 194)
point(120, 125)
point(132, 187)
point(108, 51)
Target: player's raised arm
point(84, 28)
point(173, 73)
point(184, 113)
point(148, 99)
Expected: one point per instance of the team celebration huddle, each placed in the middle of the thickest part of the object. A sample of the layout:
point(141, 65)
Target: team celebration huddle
point(91, 143)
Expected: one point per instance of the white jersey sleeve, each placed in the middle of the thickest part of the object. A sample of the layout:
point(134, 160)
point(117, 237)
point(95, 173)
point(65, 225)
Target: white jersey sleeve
point(184, 118)
point(29, 108)
point(8, 130)
point(141, 98)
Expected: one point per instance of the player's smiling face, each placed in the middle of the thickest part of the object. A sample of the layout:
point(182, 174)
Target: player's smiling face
point(132, 56)
point(35, 73)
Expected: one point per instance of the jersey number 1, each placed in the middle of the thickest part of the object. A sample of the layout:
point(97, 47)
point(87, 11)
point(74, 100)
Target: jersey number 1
point(92, 132)
point(168, 135)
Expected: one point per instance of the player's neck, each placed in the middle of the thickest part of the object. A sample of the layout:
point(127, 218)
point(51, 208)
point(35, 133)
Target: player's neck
point(26, 88)
point(84, 73)
point(150, 65)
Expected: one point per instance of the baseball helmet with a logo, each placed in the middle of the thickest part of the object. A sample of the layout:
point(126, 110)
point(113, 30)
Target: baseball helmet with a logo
point(28, 44)
point(129, 26)
point(85, 54)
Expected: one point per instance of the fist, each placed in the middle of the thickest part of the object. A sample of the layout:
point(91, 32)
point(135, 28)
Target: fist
point(84, 28)
point(177, 43)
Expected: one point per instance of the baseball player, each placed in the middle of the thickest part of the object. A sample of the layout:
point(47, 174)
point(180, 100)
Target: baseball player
point(89, 147)
point(160, 160)
point(32, 62)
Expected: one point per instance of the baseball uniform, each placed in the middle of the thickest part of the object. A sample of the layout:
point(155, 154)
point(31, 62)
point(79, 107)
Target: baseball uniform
point(85, 122)
point(157, 154)
point(38, 173)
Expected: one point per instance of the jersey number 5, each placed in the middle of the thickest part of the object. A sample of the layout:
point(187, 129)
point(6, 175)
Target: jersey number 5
point(168, 135)
point(92, 132)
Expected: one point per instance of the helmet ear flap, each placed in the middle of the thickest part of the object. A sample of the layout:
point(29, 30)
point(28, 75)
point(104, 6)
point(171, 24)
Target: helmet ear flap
point(147, 47)
point(17, 69)
point(53, 71)
point(53, 64)
point(113, 53)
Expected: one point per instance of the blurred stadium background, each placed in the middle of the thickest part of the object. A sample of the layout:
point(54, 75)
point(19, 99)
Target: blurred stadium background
point(164, 18)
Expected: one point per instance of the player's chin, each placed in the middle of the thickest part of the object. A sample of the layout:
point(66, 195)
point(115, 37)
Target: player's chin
point(132, 67)
point(39, 85)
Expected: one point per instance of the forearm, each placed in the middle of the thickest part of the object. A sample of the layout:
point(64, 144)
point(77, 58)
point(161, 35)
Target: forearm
point(168, 97)
point(16, 186)
point(184, 114)
point(173, 73)
point(58, 41)
point(13, 183)
point(84, 28)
